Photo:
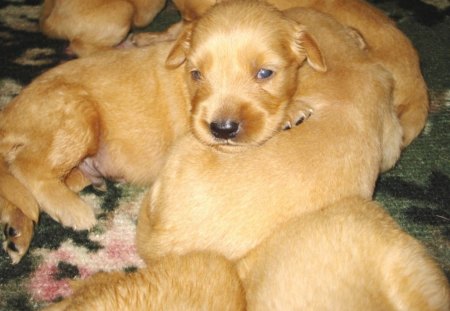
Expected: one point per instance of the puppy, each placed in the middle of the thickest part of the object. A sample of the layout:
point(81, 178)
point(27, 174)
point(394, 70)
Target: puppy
point(233, 203)
point(92, 118)
point(103, 116)
point(240, 91)
point(230, 201)
point(95, 25)
point(193, 282)
point(350, 255)
point(386, 43)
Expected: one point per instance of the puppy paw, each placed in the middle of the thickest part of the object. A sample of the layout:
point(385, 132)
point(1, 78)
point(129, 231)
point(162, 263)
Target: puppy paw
point(297, 113)
point(79, 217)
point(80, 220)
point(18, 231)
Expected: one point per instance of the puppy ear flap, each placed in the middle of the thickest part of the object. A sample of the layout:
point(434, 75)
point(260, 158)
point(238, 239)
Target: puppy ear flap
point(357, 37)
point(313, 54)
point(177, 55)
point(306, 45)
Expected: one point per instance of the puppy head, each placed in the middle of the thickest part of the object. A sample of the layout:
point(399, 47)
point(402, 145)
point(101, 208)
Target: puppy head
point(241, 60)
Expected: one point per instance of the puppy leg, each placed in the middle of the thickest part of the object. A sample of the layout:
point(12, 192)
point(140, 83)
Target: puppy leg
point(41, 153)
point(146, 10)
point(197, 281)
point(55, 198)
point(13, 191)
point(76, 180)
point(17, 230)
point(84, 48)
point(148, 38)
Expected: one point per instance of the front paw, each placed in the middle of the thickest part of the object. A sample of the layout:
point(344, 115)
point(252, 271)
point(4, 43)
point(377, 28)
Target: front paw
point(297, 112)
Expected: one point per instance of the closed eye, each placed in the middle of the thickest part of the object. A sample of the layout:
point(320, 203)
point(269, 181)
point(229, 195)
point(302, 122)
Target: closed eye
point(264, 74)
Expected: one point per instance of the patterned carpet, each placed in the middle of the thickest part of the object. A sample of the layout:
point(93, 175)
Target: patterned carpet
point(416, 191)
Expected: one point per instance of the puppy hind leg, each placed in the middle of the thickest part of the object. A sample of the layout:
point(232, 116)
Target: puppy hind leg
point(392, 140)
point(16, 193)
point(76, 180)
point(413, 281)
point(17, 230)
point(56, 199)
point(42, 164)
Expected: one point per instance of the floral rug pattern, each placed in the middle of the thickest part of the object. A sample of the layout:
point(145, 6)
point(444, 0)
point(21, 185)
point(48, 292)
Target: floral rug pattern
point(416, 192)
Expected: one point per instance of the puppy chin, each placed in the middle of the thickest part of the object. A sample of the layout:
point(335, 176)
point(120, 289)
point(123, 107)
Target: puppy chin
point(234, 145)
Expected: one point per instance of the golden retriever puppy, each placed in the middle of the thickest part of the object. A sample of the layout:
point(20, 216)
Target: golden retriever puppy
point(229, 202)
point(116, 114)
point(350, 255)
point(386, 43)
point(102, 116)
point(239, 90)
point(95, 25)
point(193, 282)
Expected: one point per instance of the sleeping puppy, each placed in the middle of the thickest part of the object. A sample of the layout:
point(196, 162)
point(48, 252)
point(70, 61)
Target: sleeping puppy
point(90, 119)
point(196, 281)
point(386, 43)
point(80, 122)
point(350, 255)
point(95, 25)
point(230, 201)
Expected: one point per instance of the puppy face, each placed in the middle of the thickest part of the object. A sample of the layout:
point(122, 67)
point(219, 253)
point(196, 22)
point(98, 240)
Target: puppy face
point(241, 63)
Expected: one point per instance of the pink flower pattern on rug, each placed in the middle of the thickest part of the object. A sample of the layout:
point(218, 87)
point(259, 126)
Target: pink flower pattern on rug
point(115, 234)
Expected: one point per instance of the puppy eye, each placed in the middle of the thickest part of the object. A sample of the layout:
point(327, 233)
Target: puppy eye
point(264, 74)
point(196, 75)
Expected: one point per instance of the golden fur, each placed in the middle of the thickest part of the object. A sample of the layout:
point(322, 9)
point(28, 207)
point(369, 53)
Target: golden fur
point(252, 206)
point(191, 282)
point(85, 120)
point(95, 25)
point(386, 43)
point(231, 201)
point(348, 256)
point(89, 119)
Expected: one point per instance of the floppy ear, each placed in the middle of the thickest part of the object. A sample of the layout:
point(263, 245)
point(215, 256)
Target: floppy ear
point(313, 55)
point(177, 55)
point(357, 37)
point(306, 45)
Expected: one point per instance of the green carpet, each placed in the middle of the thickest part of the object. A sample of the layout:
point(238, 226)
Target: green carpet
point(416, 192)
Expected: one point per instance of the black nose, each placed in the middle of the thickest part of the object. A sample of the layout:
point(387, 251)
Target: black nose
point(224, 129)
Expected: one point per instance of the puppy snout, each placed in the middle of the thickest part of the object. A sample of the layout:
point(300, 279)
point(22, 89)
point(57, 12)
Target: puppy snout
point(224, 129)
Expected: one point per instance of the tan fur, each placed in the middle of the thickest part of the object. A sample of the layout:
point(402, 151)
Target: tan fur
point(230, 202)
point(348, 256)
point(208, 200)
point(18, 229)
point(95, 25)
point(222, 52)
point(106, 116)
point(387, 44)
point(191, 282)
point(116, 114)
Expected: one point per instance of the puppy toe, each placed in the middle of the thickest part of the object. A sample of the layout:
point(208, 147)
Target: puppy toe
point(18, 239)
point(296, 114)
point(81, 220)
